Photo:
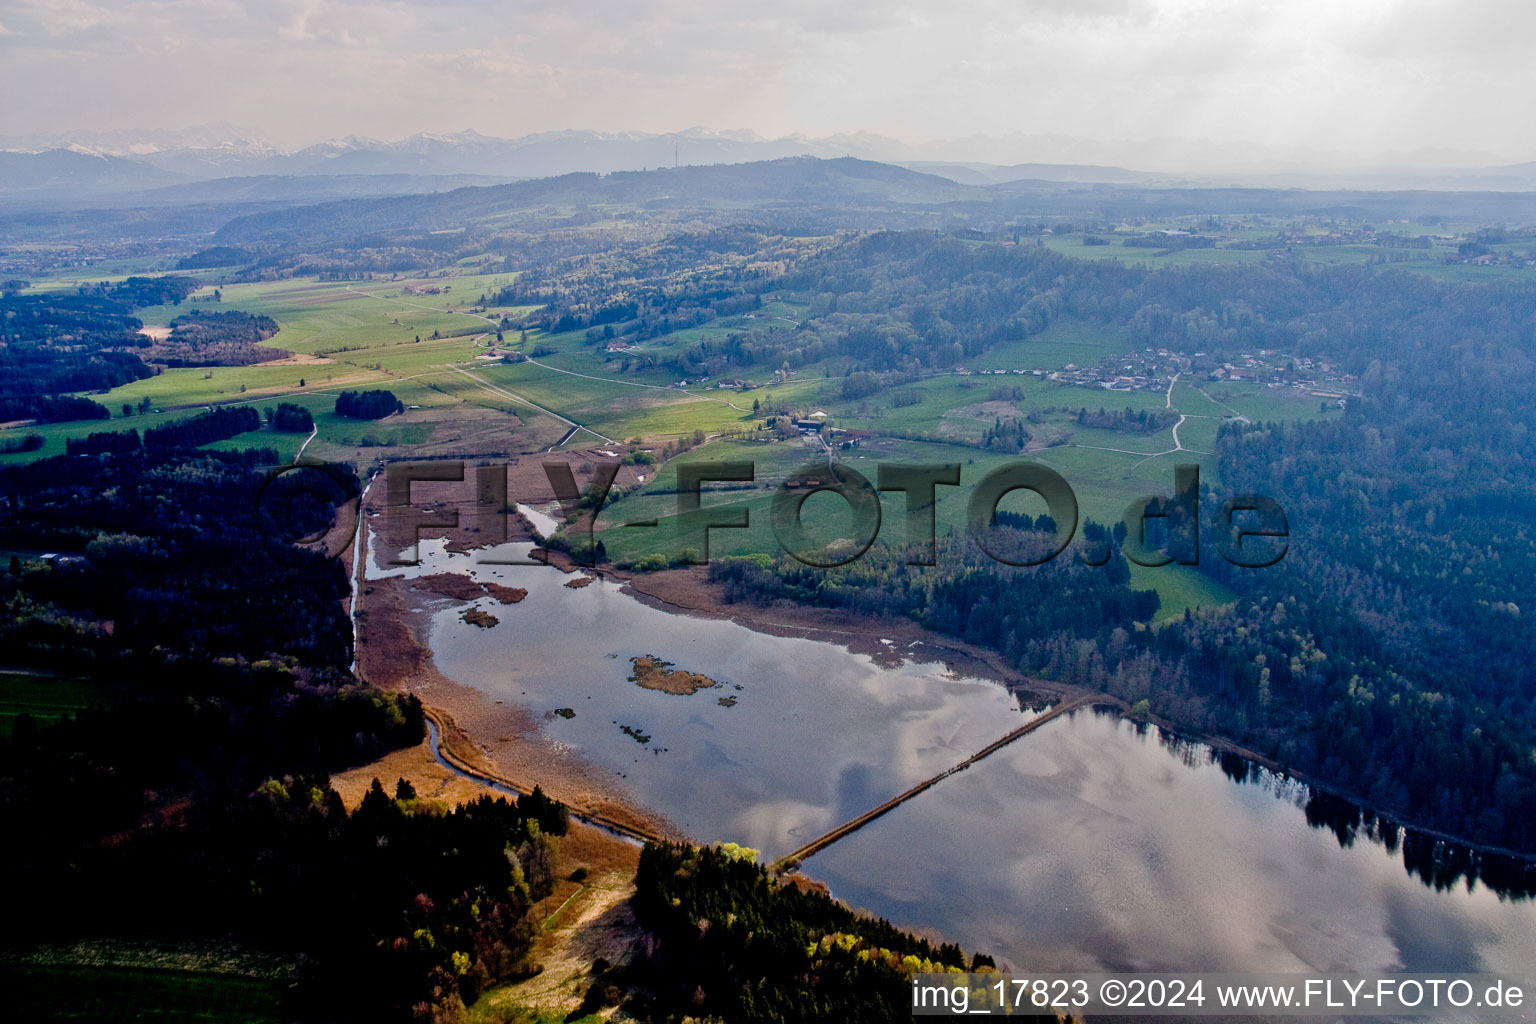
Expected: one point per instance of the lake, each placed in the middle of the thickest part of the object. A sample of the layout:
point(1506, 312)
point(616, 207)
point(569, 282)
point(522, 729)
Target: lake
point(1090, 843)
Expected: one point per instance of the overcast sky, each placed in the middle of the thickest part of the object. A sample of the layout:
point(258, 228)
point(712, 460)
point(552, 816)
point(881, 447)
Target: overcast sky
point(1358, 77)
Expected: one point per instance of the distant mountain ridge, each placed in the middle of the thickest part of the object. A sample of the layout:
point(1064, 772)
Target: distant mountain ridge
point(68, 170)
point(825, 195)
point(81, 164)
point(843, 183)
point(542, 155)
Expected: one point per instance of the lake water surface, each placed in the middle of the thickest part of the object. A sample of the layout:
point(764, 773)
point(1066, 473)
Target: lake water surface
point(1092, 843)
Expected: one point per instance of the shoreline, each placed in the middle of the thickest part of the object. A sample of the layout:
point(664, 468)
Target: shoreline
point(494, 741)
point(497, 742)
point(861, 634)
point(886, 641)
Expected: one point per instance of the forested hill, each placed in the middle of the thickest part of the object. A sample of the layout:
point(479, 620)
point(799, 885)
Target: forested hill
point(849, 183)
point(824, 195)
point(192, 797)
point(1389, 653)
point(56, 342)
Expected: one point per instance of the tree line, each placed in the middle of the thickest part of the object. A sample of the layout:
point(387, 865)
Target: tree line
point(195, 799)
point(218, 424)
point(368, 405)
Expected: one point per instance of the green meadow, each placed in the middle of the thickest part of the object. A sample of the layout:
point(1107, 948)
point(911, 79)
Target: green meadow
point(127, 994)
point(439, 355)
point(1066, 340)
point(1105, 483)
point(47, 698)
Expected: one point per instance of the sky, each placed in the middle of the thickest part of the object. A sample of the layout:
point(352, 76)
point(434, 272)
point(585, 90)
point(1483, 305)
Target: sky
point(1310, 81)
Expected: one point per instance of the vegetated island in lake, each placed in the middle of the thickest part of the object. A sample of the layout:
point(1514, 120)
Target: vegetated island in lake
point(463, 588)
point(654, 674)
point(483, 619)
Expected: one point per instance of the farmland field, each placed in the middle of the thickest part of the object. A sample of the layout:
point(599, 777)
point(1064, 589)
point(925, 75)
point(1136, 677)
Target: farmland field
point(94, 993)
point(373, 333)
point(47, 698)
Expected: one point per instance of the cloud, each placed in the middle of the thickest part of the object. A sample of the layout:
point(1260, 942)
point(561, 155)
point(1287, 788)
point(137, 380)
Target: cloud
point(1318, 74)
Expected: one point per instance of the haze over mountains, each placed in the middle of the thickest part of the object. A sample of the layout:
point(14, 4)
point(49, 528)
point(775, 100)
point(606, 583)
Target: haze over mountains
point(85, 165)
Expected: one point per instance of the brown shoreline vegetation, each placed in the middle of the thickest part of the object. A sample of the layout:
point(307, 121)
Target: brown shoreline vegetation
point(462, 588)
point(503, 740)
point(888, 642)
point(479, 617)
point(688, 591)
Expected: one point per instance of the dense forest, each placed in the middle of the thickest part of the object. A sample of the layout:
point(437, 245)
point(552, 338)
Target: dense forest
point(205, 428)
point(290, 418)
point(368, 405)
point(194, 799)
point(967, 593)
point(53, 408)
point(647, 290)
point(214, 425)
point(1389, 653)
point(55, 342)
point(735, 944)
point(223, 338)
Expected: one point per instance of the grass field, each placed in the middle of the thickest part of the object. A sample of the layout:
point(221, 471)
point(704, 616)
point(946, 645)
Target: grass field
point(364, 334)
point(345, 335)
point(38, 994)
point(1066, 340)
point(1136, 256)
point(349, 335)
point(1105, 483)
point(47, 698)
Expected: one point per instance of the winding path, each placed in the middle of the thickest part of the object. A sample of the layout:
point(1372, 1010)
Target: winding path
point(312, 432)
point(1178, 445)
point(445, 756)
